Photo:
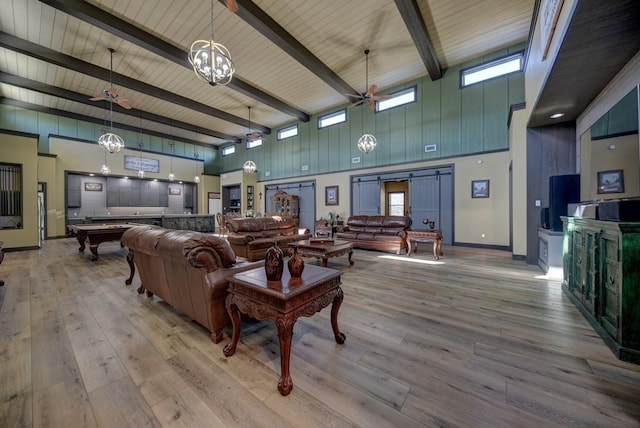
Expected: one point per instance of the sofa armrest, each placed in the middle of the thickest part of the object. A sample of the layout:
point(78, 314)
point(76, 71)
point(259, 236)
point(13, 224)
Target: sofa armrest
point(204, 257)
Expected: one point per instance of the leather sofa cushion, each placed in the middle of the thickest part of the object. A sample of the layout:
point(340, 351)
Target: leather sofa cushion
point(373, 229)
point(397, 221)
point(260, 224)
point(177, 244)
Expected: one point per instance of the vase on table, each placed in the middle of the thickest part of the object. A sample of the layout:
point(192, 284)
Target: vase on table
point(273, 263)
point(295, 264)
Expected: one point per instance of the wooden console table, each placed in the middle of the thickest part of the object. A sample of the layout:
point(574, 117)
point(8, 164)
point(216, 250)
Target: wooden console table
point(431, 236)
point(283, 301)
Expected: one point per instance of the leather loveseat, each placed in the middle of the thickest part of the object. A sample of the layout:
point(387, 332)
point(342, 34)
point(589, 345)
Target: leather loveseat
point(250, 237)
point(377, 232)
point(186, 269)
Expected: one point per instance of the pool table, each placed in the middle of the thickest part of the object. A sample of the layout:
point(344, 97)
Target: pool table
point(98, 233)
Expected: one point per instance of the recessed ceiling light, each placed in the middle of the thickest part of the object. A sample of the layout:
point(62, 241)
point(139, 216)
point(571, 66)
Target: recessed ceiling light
point(556, 115)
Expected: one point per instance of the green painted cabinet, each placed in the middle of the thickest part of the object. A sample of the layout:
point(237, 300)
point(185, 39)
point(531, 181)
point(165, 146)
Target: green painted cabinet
point(602, 278)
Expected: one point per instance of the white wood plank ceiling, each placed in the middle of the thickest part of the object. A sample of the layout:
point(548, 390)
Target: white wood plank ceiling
point(335, 32)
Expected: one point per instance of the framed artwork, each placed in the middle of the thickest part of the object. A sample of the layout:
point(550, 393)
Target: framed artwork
point(610, 181)
point(331, 195)
point(480, 188)
point(174, 190)
point(91, 186)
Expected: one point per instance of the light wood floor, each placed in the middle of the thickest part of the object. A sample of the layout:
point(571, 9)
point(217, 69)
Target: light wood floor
point(477, 340)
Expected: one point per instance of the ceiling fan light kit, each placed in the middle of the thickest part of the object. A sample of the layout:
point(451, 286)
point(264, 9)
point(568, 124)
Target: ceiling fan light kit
point(211, 61)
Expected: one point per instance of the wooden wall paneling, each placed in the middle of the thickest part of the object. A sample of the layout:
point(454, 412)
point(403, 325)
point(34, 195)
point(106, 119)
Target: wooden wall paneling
point(397, 140)
point(356, 126)
point(450, 114)
point(344, 146)
point(516, 88)
point(7, 117)
point(334, 153)
point(472, 118)
point(414, 147)
point(551, 150)
point(446, 205)
point(72, 127)
point(323, 150)
point(431, 117)
point(382, 133)
point(495, 112)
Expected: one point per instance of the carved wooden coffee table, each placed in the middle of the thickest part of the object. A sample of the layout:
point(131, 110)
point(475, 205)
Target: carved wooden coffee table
point(283, 301)
point(324, 249)
point(430, 236)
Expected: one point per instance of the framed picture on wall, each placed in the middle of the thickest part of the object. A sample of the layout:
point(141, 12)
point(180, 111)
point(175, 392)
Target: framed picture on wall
point(480, 188)
point(174, 190)
point(611, 181)
point(90, 186)
point(331, 195)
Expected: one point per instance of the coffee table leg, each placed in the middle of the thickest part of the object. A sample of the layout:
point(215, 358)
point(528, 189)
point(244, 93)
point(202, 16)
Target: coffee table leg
point(335, 307)
point(350, 254)
point(325, 259)
point(94, 251)
point(409, 248)
point(435, 249)
point(234, 314)
point(285, 325)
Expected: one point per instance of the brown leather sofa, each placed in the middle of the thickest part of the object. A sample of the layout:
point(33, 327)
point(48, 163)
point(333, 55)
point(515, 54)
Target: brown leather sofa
point(186, 269)
point(251, 237)
point(377, 232)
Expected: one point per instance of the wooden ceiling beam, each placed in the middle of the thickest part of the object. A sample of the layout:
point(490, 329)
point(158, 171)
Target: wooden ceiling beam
point(129, 32)
point(42, 53)
point(55, 91)
point(412, 17)
point(268, 27)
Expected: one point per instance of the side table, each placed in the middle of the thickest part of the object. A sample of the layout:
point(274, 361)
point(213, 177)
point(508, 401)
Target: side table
point(283, 301)
point(427, 236)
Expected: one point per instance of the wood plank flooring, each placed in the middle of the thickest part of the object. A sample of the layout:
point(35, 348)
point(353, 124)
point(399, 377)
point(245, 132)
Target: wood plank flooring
point(474, 340)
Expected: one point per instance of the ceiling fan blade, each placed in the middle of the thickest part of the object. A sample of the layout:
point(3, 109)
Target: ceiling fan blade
point(357, 103)
point(371, 104)
point(371, 91)
point(232, 5)
point(380, 97)
point(122, 103)
point(354, 96)
point(98, 99)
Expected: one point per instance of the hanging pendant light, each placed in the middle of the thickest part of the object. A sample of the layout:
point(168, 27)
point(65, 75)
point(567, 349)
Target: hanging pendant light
point(211, 61)
point(140, 146)
point(367, 143)
point(109, 141)
point(171, 174)
point(249, 167)
point(105, 170)
point(196, 178)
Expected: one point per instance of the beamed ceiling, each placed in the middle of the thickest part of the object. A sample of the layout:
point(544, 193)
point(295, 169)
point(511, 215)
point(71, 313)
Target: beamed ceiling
point(293, 58)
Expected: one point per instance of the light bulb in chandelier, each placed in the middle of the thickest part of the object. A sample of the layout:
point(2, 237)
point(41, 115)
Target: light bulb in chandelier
point(111, 142)
point(367, 143)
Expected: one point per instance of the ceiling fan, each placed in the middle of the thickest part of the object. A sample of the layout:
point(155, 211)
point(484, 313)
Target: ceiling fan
point(232, 5)
point(111, 93)
point(370, 96)
point(255, 135)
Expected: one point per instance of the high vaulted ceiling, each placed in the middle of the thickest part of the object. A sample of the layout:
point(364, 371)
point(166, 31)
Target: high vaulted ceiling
point(293, 58)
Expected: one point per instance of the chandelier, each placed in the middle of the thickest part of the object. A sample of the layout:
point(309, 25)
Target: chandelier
point(172, 176)
point(196, 178)
point(109, 141)
point(211, 61)
point(367, 143)
point(249, 167)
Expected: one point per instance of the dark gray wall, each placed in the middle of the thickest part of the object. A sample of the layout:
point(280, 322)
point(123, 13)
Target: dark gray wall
point(551, 150)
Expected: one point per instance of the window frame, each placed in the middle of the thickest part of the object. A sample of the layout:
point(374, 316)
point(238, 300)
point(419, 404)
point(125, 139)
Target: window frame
point(411, 89)
point(12, 181)
point(285, 129)
point(223, 149)
point(404, 200)
point(489, 64)
point(330, 115)
point(252, 142)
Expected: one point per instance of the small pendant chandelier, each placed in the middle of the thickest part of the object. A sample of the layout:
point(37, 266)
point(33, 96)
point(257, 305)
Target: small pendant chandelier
point(196, 178)
point(367, 143)
point(109, 141)
point(249, 167)
point(172, 176)
point(211, 61)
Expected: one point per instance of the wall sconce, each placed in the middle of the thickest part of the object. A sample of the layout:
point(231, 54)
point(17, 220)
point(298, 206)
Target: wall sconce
point(260, 195)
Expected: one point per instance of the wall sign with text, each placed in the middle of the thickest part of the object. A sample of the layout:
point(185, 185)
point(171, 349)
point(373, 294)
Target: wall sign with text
point(136, 163)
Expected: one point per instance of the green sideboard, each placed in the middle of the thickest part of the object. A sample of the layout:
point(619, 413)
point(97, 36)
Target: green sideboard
point(601, 268)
